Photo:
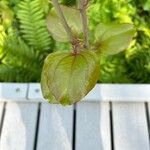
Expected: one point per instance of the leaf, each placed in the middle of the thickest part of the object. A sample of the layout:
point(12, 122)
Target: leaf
point(56, 28)
point(32, 26)
point(147, 5)
point(113, 38)
point(67, 78)
point(44, 4)
point(73, 18)
point(6, 14)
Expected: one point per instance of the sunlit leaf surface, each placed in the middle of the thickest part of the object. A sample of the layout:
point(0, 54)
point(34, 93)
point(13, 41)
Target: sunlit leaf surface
point(55, 27)
point(67, 78)
point(113, 38)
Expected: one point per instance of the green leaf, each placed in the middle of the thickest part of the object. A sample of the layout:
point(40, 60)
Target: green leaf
point(67, 78)
point(113, 38)
point(6, 14)
point(56, 28)
point(44, 4)
point(73, 18)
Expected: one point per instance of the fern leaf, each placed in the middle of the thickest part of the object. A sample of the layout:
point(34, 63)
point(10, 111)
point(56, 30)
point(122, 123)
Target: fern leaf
point(16, 65)
point(15, 49)
point(138, 58)
point(139, 65)
point(17, 74)
point(44, 5)
point(32, 24)
point(114, 69)
point(2, 37)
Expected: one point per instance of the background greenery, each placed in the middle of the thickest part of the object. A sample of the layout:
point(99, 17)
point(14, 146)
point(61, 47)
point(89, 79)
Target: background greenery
point(25, 40)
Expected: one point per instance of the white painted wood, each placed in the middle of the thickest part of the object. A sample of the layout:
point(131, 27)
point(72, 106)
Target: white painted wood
point(94, 94)
point(19, 126)
point(101, 92)
point(125, 92)
point(93, 126)
point(108, 92)
point(35, 92)
point(13, 91)
point(55, 128)
point(130, 126)
point(1, 110)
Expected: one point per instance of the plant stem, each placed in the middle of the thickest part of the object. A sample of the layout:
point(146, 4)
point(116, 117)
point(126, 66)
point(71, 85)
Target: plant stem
point(62, 19)
point(82, 7)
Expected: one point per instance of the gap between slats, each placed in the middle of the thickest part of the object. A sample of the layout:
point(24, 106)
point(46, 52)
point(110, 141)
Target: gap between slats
point(111, 126)
point(37, 126)
point(148, 118)
point(74, 124)
point(2, 118)
point(74, 128)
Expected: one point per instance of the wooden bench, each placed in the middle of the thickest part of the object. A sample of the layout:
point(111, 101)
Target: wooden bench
point(109, 119)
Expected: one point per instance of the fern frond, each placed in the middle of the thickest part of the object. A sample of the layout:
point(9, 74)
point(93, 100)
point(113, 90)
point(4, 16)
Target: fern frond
point(2, 37)
point(17, 74)
point(21, 63)
point(44, 4)
point(114, 69)
point(7, 74)
point(18, 52)
point(32, 24)
point(139, 65)
point(6, 14)
point(138, 58)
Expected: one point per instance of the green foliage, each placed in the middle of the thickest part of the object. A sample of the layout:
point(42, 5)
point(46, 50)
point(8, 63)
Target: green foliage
point(139, 66)
point(32, 24)
point(68, 2)
point(113, 69)
point(24, 39)
point(56, 28)
point(18, 74)
point(18, 56)
point(110, 38)
point(136, 57)
point(67, 77)
point(59, 46)
point(113, 38)
point(6, 15)
point(99, 11)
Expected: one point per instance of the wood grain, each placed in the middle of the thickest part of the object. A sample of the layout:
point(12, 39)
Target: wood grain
point(130, 126)
point(19, 125)
point(55, 128)
point(93, 126)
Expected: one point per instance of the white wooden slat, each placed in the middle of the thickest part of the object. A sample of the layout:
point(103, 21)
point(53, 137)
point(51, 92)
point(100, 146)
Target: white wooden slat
point(101, 92)
point(13, 91)
point(1, 110)
point(104, 93)
point(93, 126)
point(124, 92)
point(19, 126)
point(94, 94)
point(35, 92)
point(55, 128)
point(130, 126)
